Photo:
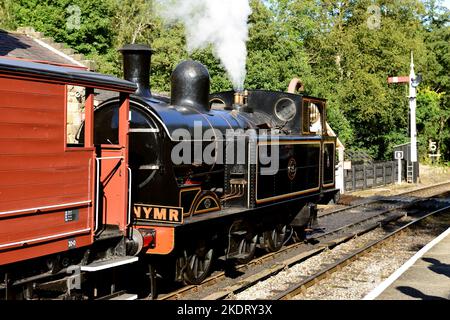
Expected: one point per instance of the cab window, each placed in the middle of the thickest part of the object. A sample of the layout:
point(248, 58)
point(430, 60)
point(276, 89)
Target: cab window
point(313, 117)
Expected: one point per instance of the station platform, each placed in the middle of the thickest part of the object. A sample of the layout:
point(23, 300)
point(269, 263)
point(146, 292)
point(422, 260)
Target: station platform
point(426, 276)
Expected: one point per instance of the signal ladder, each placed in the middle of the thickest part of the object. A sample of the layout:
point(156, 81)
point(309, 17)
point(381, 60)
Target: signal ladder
point(410, 173)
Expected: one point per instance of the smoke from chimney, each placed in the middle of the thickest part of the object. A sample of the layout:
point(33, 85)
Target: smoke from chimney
point(221, 23)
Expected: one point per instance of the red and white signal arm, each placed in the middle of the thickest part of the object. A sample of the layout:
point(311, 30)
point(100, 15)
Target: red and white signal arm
point(403, 79)
point(398, 155)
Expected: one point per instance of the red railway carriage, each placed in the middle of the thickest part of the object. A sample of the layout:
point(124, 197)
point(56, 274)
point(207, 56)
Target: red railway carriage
point(54, 196)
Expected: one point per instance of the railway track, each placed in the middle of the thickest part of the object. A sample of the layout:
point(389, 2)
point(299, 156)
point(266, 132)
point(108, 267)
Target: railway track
point(340, 226)
point(424, 192)
point(348, 258)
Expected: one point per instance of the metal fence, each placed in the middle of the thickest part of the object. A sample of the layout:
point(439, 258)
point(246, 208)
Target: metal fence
point(366, 176)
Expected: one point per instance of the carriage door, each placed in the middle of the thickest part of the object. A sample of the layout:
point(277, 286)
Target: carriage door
point(113, 177)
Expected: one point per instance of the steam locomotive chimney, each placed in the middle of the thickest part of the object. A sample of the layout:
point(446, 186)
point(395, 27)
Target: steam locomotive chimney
point(136, 67)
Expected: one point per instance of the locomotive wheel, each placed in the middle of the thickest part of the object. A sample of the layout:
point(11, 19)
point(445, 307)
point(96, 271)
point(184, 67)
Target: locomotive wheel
point(273, 239)
point(247, 248)
point(198, 265)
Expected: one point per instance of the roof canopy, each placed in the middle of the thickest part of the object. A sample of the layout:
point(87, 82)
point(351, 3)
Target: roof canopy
point(64, 74)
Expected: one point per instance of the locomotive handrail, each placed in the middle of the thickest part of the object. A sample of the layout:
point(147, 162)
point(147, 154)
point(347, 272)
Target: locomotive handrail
point(129, 196)
point(110, 158)
point(97, 190)
point(144, 130)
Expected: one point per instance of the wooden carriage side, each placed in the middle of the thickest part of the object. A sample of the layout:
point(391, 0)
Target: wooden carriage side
point(47, 187)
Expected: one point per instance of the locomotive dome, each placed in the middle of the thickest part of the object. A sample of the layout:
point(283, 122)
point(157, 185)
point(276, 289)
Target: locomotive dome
point(190, 85)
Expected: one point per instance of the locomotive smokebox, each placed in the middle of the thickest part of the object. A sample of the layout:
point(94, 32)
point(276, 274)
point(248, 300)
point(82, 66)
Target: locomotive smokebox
point(136, 67)
point(190, 86)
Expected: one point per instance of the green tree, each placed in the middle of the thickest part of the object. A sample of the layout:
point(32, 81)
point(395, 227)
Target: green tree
point(6, 17)
point(85, 25)
point(274, 55)
point(342, 50)
point(134, 21)
point(431, 120)
point(352, 48)
point(437, 77)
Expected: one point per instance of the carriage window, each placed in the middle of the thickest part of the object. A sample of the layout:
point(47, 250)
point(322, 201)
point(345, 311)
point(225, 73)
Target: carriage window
point(106, 120)
point(106, 126)
point(75, 104)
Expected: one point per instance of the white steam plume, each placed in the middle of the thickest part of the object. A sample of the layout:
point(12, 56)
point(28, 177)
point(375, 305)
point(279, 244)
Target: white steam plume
point(221, 23)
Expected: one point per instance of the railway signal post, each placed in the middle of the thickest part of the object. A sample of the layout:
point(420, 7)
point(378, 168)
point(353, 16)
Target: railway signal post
point(413, 81)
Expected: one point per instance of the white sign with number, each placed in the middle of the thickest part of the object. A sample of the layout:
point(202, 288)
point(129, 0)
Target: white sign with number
point(398, 155)
point(433, 146)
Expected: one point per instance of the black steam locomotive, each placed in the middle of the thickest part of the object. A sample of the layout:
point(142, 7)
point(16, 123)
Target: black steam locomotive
point(218, 174)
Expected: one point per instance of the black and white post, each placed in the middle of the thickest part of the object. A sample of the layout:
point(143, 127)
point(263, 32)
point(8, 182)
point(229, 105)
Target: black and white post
point(413, 83)
point(398, 155)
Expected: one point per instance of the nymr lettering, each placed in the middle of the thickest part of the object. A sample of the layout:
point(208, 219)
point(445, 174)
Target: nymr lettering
point(157, 213)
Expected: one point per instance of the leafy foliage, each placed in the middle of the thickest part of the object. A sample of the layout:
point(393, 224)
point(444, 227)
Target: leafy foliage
point(93, 33)
point(341, 50)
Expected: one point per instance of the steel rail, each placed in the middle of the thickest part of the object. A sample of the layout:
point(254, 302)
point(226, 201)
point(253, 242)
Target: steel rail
point(372, 201)
point(326, 272)
point(305, 255)
point(280, 266)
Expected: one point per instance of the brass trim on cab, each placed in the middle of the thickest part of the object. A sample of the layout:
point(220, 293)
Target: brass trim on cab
point(199, 189)
point(292, 194)
point(334, 164)
point(216, 208)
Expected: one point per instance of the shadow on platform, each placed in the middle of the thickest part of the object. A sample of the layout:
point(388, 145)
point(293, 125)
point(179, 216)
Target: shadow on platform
point(438, 267)
point(414, 293)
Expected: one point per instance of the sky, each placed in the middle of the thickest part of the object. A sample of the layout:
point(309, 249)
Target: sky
point(447, 3)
